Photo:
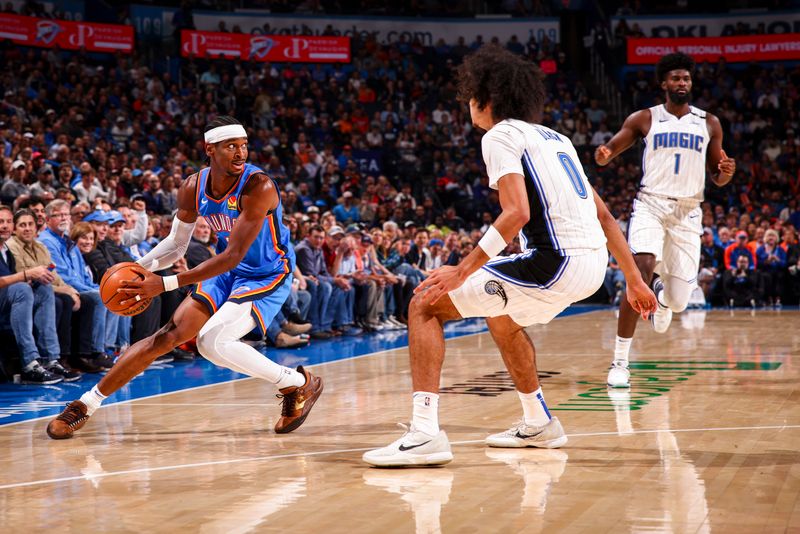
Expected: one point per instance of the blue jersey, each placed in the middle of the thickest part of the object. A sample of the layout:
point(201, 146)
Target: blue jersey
point(271, 252)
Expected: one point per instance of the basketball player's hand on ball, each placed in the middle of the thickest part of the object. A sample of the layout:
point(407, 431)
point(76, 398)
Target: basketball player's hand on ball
point(150, 286)
point(440, 282)
point(726, 166)
point(641, 298)
point(602, 155)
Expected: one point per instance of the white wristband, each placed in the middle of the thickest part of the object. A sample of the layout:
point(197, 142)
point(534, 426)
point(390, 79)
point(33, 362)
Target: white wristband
point(492, 242)
point(171, 283)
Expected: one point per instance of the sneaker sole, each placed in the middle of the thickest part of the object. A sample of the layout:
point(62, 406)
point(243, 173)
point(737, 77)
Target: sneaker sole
point(619, 386)
point(549, 444)
point(300, 420)
point(42, 383)
point(437, 458)
point(73, 379)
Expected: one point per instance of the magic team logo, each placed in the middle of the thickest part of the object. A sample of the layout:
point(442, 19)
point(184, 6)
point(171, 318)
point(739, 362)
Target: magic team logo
point(47, 31)
point(493, 287)
point(260, 46)
point(232, 204)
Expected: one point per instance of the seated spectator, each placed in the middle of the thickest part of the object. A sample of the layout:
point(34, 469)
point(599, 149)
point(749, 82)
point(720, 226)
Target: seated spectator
point(739, 248)
point(30, 296)
point(90, 353)
point(136, 222)
point(347, 212)
point(200, 246)
point(614, 281)
point(740, 284)
point(44, 185)
point(15, 186)
point(712, 263)
point(35, 205)
point(324, 301)
point(345, 269)
point(30, 253)
point(771, 260)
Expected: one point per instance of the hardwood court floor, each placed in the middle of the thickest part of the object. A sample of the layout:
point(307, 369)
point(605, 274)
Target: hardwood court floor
point(707, 440)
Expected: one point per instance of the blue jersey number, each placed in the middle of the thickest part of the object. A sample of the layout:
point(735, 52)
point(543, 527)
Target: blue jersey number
point(677, 163)
point(573, 173)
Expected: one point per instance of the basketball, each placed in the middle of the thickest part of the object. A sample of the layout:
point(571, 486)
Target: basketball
point(112, 280)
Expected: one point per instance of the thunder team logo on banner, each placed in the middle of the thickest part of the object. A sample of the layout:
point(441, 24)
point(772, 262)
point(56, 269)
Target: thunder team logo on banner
point(260, 46)
point(47, 31)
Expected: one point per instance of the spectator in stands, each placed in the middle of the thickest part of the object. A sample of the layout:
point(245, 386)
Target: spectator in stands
point(771, 260)
point(90, 353)
point(740, 284)
point(200, 248)
point(712, 263)
point(347, 212)
point(35, 205)
point(44, 184)
point(614, 281)
point(345, 266)
point(324, 300)
point(88, 189)
point(30, 295)
point(739, 248)
point(30, 253)
point(15, 186)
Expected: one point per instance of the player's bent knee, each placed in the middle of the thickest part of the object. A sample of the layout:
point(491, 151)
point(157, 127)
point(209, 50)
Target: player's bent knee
point(210, 339)
point(677, 294)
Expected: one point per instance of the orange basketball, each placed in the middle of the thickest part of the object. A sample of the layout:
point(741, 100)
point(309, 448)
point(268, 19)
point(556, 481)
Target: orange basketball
point(127, 271)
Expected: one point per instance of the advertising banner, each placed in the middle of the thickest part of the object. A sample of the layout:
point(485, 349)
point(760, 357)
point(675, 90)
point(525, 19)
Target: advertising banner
point(277, 48)
point(385, 30)
point(743, 48)
point(30, 31)
point(715, 25)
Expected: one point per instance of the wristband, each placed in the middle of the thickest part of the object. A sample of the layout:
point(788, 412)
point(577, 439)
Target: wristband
point(170, 283)
point(492, 242)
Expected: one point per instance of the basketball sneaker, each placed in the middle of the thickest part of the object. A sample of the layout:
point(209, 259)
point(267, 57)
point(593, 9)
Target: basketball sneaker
point(549, 436)
point(413, 448)
point(619, 376)
point(71, 419)
point(663, 315)
point(297, 402)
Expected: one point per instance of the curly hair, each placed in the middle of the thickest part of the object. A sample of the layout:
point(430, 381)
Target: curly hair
point(221, 120)
point(511, 84)
point(670, 62)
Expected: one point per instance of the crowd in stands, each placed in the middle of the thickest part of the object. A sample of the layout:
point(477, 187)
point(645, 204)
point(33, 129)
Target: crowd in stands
point(380, 173)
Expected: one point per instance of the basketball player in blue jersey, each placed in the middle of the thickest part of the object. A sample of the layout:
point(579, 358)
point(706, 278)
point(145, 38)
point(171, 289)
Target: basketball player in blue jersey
point(563, 227)
point(236, 291)
point(682, 142)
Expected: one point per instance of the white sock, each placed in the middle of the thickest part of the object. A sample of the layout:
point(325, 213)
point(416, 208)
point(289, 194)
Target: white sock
point(622, 348)
point(31, 366)
point(290, 378)
point(425, 417)
point(534, 408)
point(92, 399)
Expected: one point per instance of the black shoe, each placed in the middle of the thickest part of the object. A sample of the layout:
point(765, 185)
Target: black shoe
point(85, 363)
point(322, 334)
point(69, 375)
point(296, 319)
point(166, 358)
point(102, 360)
point(39, 376)
point(180, 355)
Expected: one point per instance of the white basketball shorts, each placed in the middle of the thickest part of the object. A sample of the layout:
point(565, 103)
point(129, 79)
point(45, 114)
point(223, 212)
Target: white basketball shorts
point(531, 287)
point(670, 229)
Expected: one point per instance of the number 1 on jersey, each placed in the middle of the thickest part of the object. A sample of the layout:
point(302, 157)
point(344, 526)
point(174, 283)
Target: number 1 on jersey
point(677, 163)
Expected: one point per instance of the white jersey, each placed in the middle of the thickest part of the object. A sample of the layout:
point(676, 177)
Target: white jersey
point(563, 216)
point(674, 159)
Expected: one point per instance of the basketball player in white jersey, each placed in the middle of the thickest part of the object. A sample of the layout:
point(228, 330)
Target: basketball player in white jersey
point(681, 142)
point(562, 226)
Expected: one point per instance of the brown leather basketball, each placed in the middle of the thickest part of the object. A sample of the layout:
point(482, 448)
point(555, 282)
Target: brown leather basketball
point(127, 271)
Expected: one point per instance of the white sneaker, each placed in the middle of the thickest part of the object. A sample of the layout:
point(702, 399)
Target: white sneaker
point(413, 448)
point(549, 436)
point(663, 315)
point(397, 324)
point(619, 376)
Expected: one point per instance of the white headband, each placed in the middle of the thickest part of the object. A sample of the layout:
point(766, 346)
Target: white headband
point(221, 133)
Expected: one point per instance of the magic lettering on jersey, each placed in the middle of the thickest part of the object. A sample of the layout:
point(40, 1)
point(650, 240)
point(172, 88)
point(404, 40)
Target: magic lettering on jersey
point(678, 140)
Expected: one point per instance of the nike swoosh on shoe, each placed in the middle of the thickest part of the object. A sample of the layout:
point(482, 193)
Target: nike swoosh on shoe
point(404, 448)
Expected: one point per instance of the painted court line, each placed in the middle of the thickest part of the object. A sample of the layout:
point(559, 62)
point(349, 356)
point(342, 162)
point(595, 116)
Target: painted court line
point(341, 451)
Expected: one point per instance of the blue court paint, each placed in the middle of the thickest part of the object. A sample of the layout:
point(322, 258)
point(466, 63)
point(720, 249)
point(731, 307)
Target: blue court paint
point(22, 403)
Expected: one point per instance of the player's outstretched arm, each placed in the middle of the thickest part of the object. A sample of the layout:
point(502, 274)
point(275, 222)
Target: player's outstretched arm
point(515, 215)
point(641, 298)
point(634, 128)
point(720, 166)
